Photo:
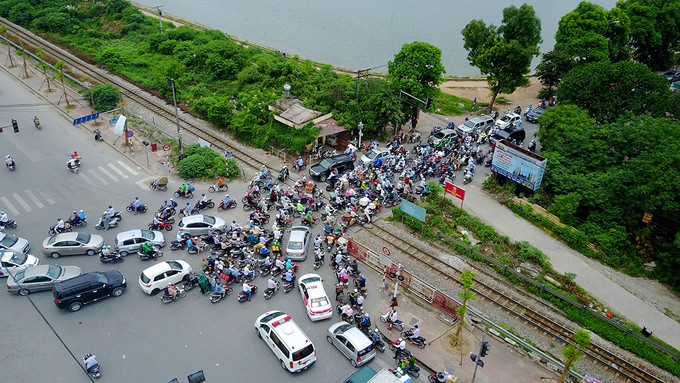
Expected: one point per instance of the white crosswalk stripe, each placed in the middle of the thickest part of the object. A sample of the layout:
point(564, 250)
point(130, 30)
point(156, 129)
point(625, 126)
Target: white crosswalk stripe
point(106, 173)
point(98, 177)
point(33, 198)
point(22, 202)
point(9, 206)
point(120, 172)
point(47, 198)
point(121, 163)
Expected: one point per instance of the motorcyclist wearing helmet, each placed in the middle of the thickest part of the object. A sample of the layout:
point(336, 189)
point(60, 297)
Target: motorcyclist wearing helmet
point(136, 204)
point(227, 199)
point(171, 291)
point(272, 283)
point(60, 227)
point(4, 219)
point(9, 161)
point(147, 248)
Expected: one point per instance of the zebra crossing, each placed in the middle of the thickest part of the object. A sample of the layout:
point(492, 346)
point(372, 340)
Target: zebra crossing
point(27, 200)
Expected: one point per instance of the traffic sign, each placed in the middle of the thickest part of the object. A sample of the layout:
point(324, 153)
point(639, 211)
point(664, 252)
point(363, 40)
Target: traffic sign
point(166, 148)
point(87, 118)
point(130, 133)
point(386, 251)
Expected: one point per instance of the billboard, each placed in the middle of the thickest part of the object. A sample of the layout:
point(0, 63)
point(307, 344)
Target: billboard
point(518, 164)
point(413, 210)
point(454, 190)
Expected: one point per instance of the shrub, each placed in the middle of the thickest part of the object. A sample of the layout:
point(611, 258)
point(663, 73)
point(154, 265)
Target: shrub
point(106, 97)
point(202, 162)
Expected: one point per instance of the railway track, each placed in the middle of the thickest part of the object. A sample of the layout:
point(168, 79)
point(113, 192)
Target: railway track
point(156, 105)
point(625, 371)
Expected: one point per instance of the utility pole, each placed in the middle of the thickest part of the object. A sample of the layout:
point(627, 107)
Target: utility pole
point(160, 16)
point(179, 132)
point(361, 73)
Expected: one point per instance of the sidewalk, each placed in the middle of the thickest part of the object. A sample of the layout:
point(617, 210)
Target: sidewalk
point(503, 364)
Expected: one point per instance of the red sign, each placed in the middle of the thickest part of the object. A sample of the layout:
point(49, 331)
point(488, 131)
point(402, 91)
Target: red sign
point(454, 190)
point(647, 217)
point(166, 147)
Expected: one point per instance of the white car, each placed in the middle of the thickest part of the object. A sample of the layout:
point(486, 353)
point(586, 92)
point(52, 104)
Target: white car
point(314, 297)
point(509, 119)
point(374, 154)
point(12, 261)
point(159, 276)
point(200, 224)
point(12, 242)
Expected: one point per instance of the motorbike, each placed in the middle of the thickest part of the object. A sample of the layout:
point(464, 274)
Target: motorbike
point(398, 324)
point(299, 168)
point(80, 223)
point(216, 188)
point(36, 123)
point(94, 369)
point(189, 194)
point(215, 297)
point(467, 178)
point(98, 135)
point(181, 293)
point(377, 340)
point(319, 257)
point(131, 209)
point(243, 297)
point(287, 287)
point(349, 319)
point(268, 293)
point(73, 166)
point(53, 230)
point(12, 224)
point(111, 258)
point(232, 204)
point(156, 185)
point(11, 166)
point(439, 377)
point(414, 371)
point(154, 254)
point(190, 281)
point(113, 222)
point(200, 206)
point(162, 225)
point(419, 341)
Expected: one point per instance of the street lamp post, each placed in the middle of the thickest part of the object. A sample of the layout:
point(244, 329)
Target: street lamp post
point(179, 132)
point(160, 16)
point(361, 128)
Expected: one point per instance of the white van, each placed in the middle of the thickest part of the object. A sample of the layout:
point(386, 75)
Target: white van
point(291, 346)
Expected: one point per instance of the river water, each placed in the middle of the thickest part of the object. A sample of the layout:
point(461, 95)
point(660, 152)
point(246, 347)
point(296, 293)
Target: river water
point(357, 34)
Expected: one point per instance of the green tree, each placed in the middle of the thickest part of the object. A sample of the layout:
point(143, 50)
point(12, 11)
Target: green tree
point(590, 33)
point(655, 30)
point(386, 108)
point(504, 54)
point(553, 67)
point(467, 279)
point(417, 69)
point(572, 353)
point(608, 90)
point(106, 97)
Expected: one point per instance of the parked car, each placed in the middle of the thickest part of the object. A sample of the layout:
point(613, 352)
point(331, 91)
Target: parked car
point(40, 278)
point(298, 240)
point(672, 75)
point(440, 136)
point(72, 243)
point(508, 120)
point(314, 297)
point(200, 224)
point(352, 343)
point(129, 241)
point(12, 261)
point(374, 154)
point(291, 346)
point(14, 243)
point(74, 293)
point(535, 114)
point(514, 135)
point(323, 169)
point(157, 277)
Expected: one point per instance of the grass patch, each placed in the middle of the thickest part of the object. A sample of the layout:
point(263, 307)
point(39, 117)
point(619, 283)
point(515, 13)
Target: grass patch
point(451, 105)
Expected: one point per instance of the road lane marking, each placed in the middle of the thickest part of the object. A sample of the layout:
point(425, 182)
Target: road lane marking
point(98, 177)
point(9, 206)
point(47, 198)
point(33, 198)
point(87, 180)
point(121, 163)
point(22, 202)
point(106, 173)
point(120, 172)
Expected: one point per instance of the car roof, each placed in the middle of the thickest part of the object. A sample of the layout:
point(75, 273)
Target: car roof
point(358, 338)
point(123, 235)
point(7, 254)
point(163, 266)
point(193, 218)
point(513, 115)
point(314, 289)
point(70, 236)
point(298, 231)
point(36, 270)
point(481, 118)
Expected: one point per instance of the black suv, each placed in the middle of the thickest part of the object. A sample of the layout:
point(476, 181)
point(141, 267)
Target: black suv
point(322, 170)
point(73, 293)
point(514, 135)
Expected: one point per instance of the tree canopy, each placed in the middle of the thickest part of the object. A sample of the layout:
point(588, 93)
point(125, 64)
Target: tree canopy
point(417, 69)
point(608, 90)
point(504, 53)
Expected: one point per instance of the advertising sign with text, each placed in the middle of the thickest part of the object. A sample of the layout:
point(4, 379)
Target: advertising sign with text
point(454, 190)
point(518, 164)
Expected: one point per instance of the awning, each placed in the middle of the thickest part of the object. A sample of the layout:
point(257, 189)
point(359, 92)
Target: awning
point(329, 127)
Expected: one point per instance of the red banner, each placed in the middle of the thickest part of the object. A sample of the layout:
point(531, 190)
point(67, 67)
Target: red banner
point(454, 190)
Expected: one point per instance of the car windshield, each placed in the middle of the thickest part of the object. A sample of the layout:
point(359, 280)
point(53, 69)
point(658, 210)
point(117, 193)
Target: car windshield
point(54, 271)
point(148, 234)
point(209, 219)
point(371, 155)
point(439, 135)
point(8, 240)
point(311, 279)
point(174, 265)
point(325, 164)
point(469, 124)
point(18, 258)
point(83, 238)
point(305, 352)
point(318, 302)
point(506, 118)
point(19, 275)
point(539, 111)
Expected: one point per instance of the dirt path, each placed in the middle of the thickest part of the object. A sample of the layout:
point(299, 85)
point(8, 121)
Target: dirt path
point(479, 88)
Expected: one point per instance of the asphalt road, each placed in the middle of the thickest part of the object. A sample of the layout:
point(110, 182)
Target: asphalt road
point(135, 337)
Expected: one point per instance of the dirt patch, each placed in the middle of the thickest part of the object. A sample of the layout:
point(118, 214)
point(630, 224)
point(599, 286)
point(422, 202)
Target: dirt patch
point(479, 88)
